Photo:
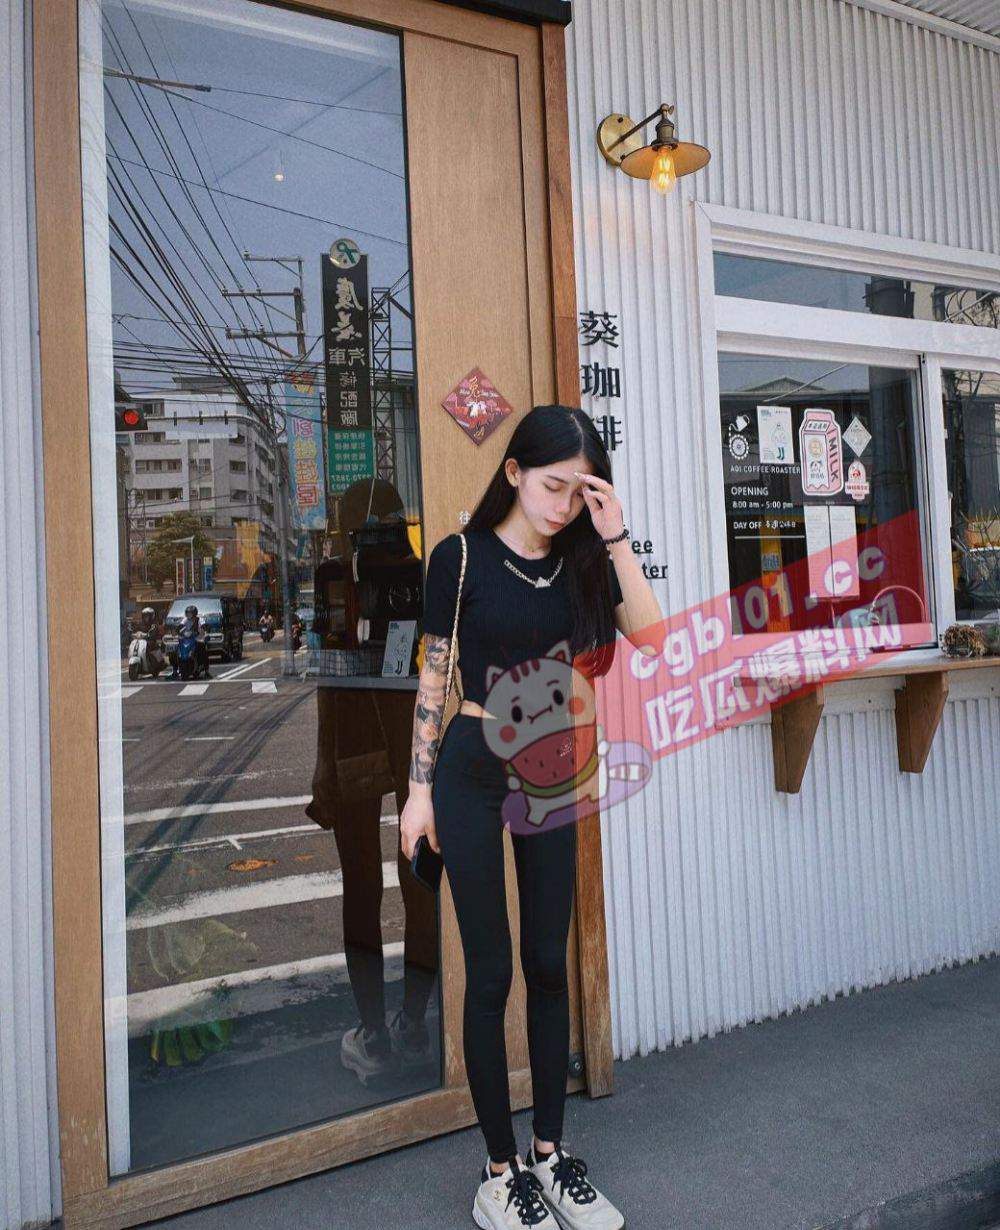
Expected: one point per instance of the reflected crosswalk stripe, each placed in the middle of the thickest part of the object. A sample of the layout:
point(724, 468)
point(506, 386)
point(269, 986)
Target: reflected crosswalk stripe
point(238, 840)
point(263, 895)
point(258, 687)
point(214, 809)
point(241, 670)
point(248, 992)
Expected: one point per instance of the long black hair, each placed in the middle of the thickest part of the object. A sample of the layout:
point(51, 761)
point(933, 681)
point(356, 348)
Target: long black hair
point(544, 435)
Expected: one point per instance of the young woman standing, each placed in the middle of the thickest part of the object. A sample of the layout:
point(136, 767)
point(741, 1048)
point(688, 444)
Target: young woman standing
point(549, 560)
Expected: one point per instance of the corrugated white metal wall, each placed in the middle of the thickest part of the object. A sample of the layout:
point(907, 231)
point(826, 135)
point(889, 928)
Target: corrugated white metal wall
point(27, 1081)
point(728, 902)
point(978, 14)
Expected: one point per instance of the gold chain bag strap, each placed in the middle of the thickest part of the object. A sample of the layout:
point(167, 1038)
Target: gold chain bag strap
point(452, 649)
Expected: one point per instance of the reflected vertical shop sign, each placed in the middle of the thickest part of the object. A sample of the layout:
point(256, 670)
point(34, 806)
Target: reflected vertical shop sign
point(304, 432)
point(347, 359)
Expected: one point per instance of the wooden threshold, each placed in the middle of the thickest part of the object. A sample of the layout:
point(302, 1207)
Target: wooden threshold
point(137, 1199)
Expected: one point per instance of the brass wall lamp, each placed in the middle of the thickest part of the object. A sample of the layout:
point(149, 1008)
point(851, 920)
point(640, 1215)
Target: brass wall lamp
point(662, 162)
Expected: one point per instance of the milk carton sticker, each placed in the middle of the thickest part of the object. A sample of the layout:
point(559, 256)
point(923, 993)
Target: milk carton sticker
point(821, 454)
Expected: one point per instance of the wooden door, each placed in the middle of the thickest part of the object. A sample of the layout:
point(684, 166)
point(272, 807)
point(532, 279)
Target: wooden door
point(492, 275)
point(482, 298)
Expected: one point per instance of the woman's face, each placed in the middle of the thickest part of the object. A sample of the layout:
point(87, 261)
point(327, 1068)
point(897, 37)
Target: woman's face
point(550, 495)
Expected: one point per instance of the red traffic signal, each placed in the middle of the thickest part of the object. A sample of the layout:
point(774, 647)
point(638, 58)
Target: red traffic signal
point(129, 418)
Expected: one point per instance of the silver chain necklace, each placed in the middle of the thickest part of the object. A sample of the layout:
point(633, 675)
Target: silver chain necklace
point(537, 582)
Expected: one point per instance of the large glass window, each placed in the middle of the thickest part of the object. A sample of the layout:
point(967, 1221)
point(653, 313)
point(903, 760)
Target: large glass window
point(269, 959)
point(777, 281)
point(972, 441)
point(815, 454)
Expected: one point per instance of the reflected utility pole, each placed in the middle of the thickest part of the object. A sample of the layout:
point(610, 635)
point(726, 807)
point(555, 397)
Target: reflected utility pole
point(292, 265)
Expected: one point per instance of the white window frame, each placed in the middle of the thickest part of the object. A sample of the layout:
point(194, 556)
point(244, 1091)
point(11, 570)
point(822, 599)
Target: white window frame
point(752, 326)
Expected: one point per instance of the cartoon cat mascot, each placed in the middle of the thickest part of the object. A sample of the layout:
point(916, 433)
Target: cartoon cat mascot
point(559, 765)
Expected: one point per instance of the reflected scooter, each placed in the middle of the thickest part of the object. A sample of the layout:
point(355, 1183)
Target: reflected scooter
point(145, 656)
point(187, 656)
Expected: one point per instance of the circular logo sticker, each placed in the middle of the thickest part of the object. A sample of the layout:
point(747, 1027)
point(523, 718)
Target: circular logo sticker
point(345, 253)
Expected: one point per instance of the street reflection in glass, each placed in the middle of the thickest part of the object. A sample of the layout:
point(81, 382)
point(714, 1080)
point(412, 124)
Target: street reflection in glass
point(270, 961)
point(972, 442)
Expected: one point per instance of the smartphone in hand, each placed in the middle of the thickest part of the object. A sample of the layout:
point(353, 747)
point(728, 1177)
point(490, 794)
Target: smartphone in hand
point(426, 864)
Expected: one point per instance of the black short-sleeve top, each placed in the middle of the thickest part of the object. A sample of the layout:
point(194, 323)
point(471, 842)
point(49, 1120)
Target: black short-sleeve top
point(503, 620)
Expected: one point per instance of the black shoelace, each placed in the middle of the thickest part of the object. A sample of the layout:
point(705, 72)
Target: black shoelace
point(526, 1193)
point(569, 1173)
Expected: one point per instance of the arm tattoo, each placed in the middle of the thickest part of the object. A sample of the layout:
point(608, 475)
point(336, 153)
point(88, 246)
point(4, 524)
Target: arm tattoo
point(429, 711)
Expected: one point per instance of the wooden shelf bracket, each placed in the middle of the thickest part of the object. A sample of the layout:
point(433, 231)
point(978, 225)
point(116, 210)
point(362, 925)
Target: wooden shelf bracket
point(919, 705)
point(793, 729)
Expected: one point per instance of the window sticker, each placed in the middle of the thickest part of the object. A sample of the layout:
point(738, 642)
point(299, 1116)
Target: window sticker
point(857, 485)
point(774, 435)
point(821, 453)
point(857, 436)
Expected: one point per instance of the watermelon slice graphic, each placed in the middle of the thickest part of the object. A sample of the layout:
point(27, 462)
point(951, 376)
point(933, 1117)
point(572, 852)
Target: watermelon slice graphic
point(556, 757)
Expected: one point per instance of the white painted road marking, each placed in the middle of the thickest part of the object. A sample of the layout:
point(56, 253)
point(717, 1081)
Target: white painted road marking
point(118, 692)
point(227, 839)
point(261, 688)
point(239, 670)
point(208, 738)
point(238, 840)
point(248, 992)
point(194, 689)
point(215, 809)
point(261, 895)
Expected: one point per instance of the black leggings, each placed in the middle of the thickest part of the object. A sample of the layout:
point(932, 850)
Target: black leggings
point(467, 793)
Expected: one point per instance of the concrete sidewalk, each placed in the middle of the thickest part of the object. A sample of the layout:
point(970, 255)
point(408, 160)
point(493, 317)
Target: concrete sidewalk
point(797, 1123)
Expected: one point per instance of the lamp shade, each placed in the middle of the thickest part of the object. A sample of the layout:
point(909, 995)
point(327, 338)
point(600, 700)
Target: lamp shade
point(687, 157)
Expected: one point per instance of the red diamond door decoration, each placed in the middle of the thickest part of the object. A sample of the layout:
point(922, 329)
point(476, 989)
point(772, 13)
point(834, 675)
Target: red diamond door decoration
point(477, 406)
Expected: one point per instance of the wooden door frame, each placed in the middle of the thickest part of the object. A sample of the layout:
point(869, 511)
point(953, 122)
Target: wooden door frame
point(89, 1198)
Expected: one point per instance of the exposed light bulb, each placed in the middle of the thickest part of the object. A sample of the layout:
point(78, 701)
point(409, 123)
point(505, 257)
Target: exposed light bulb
point(279, 167)
point(663, 176)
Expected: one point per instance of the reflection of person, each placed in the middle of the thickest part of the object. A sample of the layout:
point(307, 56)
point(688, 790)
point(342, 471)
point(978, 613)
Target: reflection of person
point(526, 528)
point(191, 625)
point(363, 745)
point(363, 748)
point(151, 627)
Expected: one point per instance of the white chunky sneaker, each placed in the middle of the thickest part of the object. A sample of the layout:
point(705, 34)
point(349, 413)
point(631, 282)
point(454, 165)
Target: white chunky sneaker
point(511, 1200)
point(575, 1201)
point(364, 1054)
